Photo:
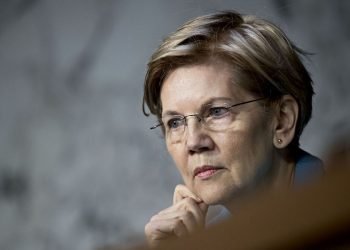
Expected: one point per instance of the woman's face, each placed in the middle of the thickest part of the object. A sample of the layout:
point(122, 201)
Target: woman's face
point(217, 165)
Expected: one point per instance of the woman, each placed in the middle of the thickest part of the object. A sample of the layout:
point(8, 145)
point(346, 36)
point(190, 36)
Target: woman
point(232, 98)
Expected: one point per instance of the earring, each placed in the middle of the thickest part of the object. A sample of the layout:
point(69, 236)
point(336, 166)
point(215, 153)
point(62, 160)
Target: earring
point(279, 141)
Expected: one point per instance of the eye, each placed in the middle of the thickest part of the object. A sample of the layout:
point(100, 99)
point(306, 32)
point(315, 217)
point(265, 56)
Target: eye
point(217, 112)
point(175, 123)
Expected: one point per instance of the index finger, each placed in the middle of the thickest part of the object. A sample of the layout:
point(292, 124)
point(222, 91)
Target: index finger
point(181, 192)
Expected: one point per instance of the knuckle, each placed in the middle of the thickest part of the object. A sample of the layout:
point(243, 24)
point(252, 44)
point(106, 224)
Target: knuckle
point(188, 203)
point(181, 232)
point(179, 188)
point(191, 201)
point(177, 226)
point(148, 229)
point(154, 217)
point(188, 215)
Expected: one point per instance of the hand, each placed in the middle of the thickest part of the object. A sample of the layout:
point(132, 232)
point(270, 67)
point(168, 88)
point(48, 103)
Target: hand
point(186, 215)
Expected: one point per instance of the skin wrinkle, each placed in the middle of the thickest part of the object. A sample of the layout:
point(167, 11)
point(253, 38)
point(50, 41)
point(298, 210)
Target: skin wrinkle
point(242, 58)
point(243, 150)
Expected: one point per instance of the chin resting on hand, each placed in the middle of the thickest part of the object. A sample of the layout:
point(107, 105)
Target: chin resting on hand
point(186, 215)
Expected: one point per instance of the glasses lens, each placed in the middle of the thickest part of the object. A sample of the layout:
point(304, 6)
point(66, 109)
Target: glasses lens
point(174, 127)
point(218, 117)
point(219, 123)
point(218, 120)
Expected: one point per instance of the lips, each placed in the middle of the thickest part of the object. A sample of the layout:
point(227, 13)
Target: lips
point(205, 172)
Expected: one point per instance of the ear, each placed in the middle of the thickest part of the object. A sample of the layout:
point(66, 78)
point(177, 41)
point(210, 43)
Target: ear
point(287, 112)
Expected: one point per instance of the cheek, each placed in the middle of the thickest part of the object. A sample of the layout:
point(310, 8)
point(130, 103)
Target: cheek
point(245, 148)
point(178, 155)
point(232, 148)
point(256, 148)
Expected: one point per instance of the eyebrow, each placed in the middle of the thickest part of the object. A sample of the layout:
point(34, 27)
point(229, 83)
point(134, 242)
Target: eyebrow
point(206, 103)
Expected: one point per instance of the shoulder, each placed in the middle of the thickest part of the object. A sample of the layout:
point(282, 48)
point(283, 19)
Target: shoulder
point(307, 168)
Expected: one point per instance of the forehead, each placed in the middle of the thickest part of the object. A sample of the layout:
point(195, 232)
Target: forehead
point(188, 87)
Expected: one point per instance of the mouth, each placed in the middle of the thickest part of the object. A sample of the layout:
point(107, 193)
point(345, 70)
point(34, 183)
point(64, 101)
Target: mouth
point(205, 172)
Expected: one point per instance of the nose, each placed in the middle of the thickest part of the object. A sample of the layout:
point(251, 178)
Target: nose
point(197, 139)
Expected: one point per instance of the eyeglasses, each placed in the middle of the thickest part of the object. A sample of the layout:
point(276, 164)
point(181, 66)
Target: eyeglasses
point(212, 117)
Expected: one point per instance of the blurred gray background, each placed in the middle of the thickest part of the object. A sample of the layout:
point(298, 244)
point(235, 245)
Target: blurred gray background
point(79, 167)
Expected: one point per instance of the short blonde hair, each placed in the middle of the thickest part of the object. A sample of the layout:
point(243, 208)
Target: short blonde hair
point(264, 61)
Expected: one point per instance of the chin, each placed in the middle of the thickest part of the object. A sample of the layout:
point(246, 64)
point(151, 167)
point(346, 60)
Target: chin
point(217, 195)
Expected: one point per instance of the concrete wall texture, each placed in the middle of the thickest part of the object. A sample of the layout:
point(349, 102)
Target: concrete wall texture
point(79, 167)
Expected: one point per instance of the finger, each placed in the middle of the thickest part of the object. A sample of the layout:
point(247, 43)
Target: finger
point(176, 214)
point(203, 207)
point(185, 216)
point(187, 210)
point(190, 222)
point(198, 211)
point(171, 212)
point(182, 204)
point(167, 210)
point(154, 236)
point(194, 208)
point(164, 228)
point(181, 192)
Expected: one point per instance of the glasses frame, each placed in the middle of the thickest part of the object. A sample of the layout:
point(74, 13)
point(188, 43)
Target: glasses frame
point(198, 116)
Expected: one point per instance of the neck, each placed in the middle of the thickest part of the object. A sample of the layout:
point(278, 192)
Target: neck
point(284, 166)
